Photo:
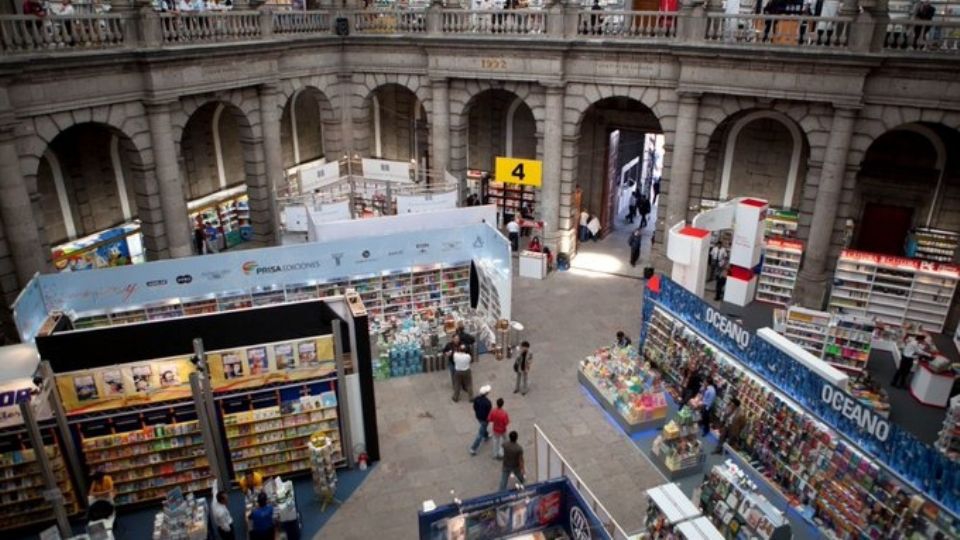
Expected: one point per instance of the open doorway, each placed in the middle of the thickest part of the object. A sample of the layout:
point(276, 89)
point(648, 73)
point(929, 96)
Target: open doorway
point(883, 228)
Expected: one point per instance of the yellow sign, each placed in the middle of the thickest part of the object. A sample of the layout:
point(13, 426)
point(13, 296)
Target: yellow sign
point(526, 172)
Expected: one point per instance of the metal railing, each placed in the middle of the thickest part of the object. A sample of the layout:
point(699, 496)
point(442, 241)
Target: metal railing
point(627, 24)
point(783, 30)
point(551, 464)
point(301, 22)
point(392, 21)
point(494, 22)
point(210, 27)
point(930, 36)
point(28, 33)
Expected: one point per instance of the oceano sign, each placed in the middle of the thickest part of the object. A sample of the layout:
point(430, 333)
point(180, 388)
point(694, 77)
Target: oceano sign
point(725, 326)
point(867, 420)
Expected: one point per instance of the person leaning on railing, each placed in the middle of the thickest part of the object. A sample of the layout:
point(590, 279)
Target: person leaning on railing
point(923, 11)
point(34, 7)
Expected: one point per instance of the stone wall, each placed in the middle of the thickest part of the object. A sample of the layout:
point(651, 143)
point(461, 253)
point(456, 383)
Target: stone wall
point(761, 162)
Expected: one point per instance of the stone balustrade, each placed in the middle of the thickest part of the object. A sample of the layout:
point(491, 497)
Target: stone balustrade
point(779, 30)
point(29, 34)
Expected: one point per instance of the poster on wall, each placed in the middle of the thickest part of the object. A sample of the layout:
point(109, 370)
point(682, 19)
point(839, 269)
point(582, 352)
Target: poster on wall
point(271, 363)
point(126, 385)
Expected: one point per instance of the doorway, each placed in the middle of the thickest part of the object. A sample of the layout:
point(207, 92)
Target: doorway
point(884, 228)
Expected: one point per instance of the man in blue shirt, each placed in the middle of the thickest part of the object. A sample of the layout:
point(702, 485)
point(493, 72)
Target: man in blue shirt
point(707, 398)
point(262, 526)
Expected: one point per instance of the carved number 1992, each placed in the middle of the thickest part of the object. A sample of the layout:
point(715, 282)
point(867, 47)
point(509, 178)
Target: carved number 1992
point(493, 63)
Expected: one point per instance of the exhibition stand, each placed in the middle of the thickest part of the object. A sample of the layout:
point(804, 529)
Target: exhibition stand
point(227, 211)
point(542, 511)
point(116, 246)
point(630, 391)
point(815, 442)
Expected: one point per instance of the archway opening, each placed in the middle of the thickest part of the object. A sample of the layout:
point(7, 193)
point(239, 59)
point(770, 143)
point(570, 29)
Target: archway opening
point(620, 151)
point(214, 148)
point(88, 179)
point(398, 122)
point(301, 127)
point(907, 180)
point(764, 158)
point(500, 124)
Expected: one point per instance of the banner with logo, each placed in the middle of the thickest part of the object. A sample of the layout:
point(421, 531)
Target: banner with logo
point(388, 171)
point(438, 219)
point(18, 364)
point(919, 464)
point(427, 202)
point(554, 503)
point(137, 285)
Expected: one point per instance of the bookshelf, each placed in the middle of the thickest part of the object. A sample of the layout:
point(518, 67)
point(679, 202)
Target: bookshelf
point(733, 502)
point(948, 441)
point(778, 276)
point(147, 463)
point(808, 329)
point(509, 198)
point(22, 485)
point(273, 440)
point(397, 293)
point(894, 290)
point(847, 345)
point(781, 222)
point(936, 245)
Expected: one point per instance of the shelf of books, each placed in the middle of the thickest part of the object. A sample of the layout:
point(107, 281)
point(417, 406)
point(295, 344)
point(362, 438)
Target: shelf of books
point(398, 293)
point(510, 198)
point(808, 329)
point(733, 502)
point(847, 345)
point(948, 441)
point(147, 458)
point(273, 438)
point(894, 290)
point(937, 245)
point(22, 484)
point(778, 276)
point(781, 222)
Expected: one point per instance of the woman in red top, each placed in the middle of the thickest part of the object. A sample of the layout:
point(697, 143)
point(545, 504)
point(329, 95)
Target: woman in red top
point(499, 420)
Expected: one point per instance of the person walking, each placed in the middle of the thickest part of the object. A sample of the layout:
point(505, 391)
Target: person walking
point(634, 194)
point(222, 519)
point(721, 284)
point(463, 378)
point(735, 422)
point(907, 357)
point(707, 400)
point(198, 239)
point(521, 366)
point(481, 410)
point(499, 420)
point(636, 242)
point(643, 207)
point(513, 232)
point(512, 461)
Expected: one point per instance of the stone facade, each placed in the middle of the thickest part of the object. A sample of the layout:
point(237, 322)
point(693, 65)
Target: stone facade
point(815, 116)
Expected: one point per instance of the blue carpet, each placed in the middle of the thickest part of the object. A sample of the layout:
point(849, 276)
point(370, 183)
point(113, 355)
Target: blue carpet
point(138, 524)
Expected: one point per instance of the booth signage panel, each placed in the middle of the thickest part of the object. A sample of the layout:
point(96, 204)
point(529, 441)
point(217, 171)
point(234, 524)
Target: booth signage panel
point(929, 471)
point(428, 202)
point(29, 310)
point(318, 175)
point(524, 172)
point(295, 218)
point(389, 171)
point(327, 212)
point(402, 223)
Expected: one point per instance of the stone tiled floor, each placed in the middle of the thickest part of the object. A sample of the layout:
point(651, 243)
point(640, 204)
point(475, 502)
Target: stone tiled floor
point(424, 436)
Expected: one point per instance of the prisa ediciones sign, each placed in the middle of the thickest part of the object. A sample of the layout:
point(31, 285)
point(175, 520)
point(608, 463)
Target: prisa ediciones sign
point(727, 327)
point(867, 420)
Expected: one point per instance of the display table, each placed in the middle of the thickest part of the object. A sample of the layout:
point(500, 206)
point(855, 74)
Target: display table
point(630, 391)
point(678, 450)
point(533, 264)
point(930, 387)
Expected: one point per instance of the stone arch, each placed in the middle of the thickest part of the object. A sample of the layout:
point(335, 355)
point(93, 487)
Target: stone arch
point(305, 123)
point(876, 120)
point(498, 122)
point(398, 123)
point(784, 135)
point(464, 95)
point(240, 160)
point(330, 120)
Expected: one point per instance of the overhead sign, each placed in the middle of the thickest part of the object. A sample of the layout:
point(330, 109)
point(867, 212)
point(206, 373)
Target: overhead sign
point(524, 172)
point(318, 175)
point(389, 171)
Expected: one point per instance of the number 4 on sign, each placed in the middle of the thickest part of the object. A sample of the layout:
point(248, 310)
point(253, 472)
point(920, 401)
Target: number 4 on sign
point(527, 172)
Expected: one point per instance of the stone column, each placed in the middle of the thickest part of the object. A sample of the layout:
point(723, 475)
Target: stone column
point(552, 163)
point(172, 201)
point(16, 210)
point(440, 130)
point(272, 153)
point(345, 89)
point(812, 280)
point(681, 166)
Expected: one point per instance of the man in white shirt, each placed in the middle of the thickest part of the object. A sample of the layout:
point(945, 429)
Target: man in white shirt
point(584, 220)
point(462, 377)
point(513, 232)
point(911, 349)
point(222, 519)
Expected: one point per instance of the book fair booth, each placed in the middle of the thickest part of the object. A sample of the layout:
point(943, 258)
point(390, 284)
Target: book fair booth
point(286, 337)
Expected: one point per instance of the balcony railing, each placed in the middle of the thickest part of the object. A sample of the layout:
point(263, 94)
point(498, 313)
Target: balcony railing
point(931, 36)
point(494, 22)
point(28, 33)
point(627, 24)
point(392, 21)
point(210, 27)
point(783, 30)
point(301, 22)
